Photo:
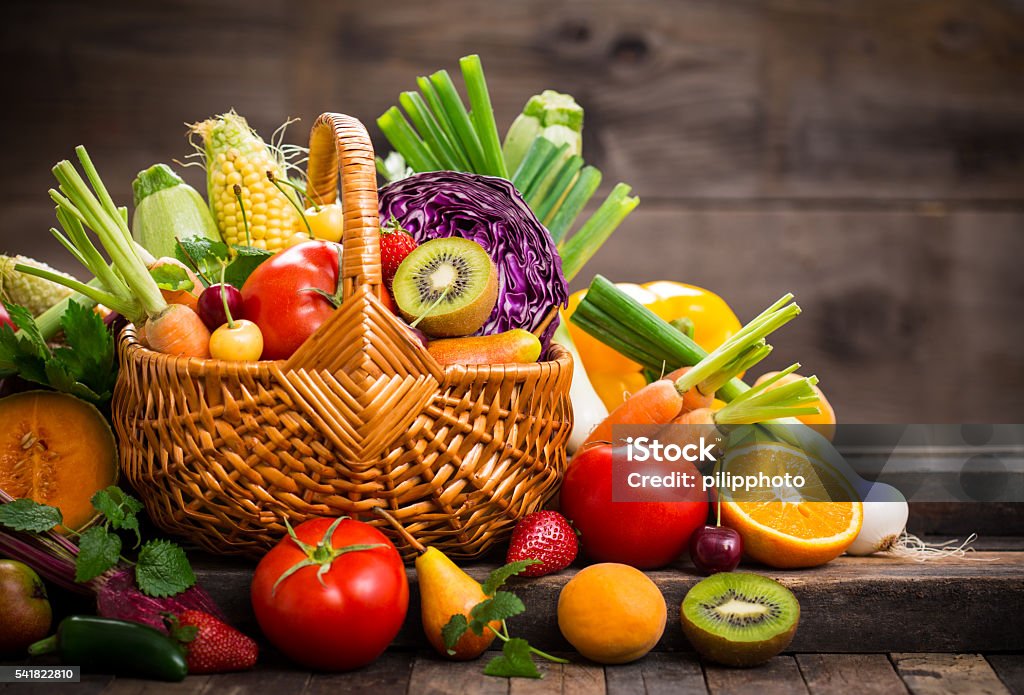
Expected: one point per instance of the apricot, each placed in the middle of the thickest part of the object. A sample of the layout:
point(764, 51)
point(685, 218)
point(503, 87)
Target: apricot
point(611, 613)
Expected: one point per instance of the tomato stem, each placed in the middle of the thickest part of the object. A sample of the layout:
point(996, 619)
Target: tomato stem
point(322, 554)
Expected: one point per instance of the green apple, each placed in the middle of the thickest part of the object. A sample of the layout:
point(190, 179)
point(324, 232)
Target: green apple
point(25, 613)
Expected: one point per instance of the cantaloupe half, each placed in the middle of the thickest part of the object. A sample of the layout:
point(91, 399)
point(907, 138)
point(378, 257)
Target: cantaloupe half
point(57, 450)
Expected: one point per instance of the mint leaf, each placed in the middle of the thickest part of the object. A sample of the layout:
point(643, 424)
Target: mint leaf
point(499, 607)
point(247, 259)
point(98, 551)
point(498, 577)
point(163, 569)
point(172, 277)
point(453, 631)
point(514, 662)
point(28, 515)
point(119, 508)
point(202, 255)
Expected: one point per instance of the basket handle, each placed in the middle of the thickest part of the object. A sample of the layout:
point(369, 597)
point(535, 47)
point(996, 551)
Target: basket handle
point(339, 139)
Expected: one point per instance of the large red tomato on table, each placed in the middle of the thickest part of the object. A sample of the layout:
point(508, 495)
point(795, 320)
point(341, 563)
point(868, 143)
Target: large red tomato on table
point(334, 619)
point(645, 534)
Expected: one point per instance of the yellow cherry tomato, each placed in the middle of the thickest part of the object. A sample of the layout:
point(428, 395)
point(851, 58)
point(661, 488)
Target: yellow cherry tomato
point(326, 222)
point(713, 321)
point(242, 343)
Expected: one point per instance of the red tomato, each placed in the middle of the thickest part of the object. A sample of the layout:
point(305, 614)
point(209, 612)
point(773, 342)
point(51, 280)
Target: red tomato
point(645, 534)
point(348, 620)
point(274, 296)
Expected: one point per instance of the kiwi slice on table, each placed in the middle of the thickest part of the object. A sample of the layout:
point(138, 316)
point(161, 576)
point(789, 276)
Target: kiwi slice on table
point(446, 287)
point(739, 619)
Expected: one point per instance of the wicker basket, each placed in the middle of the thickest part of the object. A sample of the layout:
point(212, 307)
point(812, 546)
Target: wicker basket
point(359, 417)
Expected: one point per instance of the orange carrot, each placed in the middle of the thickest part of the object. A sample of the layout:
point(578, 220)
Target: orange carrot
point(694, 398)
point(189, 298)
point(178, 331)
point(656, 403)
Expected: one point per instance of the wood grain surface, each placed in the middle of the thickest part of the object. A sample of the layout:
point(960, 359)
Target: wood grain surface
point(868, 156)
point(840, 603)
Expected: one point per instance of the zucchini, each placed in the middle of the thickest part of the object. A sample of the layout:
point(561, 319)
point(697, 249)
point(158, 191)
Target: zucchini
point(167, 208)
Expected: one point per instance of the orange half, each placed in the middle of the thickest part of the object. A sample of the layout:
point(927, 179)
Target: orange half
point(787, 526)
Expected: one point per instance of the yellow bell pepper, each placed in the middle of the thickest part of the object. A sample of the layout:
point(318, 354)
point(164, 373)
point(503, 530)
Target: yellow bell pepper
point(615, 376)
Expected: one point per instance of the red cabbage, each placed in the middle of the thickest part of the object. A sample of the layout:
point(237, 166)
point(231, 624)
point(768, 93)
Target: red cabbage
point(491, 212)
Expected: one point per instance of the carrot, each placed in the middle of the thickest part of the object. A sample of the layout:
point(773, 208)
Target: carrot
point(178, 331)
point(656, 403)
point(695, 397)
point(694, 387)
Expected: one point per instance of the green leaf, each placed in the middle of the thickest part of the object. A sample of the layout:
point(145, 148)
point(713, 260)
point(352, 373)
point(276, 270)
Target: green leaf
point(172, 277)
point(84, 367)
point(28, 515)
point(163, 569)
point(501, 606)
point(29, 332)
point(453, 631)
point(514, 662)
point(98, 551)
point(202, 255)
point(498, 577)
point(119, 508)
point(247, 259)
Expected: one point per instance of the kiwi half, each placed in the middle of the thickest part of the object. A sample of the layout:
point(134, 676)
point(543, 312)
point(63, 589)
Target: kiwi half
point(739, 619)
point(448, 285)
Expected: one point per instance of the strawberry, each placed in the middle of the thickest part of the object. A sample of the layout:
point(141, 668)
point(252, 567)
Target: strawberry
point(395, 245)
point(213, 646)
point(546, 536)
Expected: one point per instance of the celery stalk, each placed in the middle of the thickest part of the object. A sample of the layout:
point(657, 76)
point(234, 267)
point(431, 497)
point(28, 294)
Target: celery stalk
point(582, 245)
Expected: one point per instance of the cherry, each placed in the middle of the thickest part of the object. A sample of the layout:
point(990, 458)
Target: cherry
point(715, 549)
point(211, 305)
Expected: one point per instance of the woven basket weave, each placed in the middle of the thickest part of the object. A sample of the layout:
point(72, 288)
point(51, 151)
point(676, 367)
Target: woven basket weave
point(359, 417)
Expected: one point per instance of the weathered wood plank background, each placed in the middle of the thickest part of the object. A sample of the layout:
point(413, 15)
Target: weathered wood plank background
point(867, 155)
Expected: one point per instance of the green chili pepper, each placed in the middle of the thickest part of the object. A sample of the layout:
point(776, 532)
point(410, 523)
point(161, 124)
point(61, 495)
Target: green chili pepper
point(115, 646)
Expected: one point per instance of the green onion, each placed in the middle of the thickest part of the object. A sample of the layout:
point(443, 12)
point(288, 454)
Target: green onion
point(582, 245)
point(482, 115)
point(763, 403)
point(621, 322)
point(537, 157)
point(436, 140)
point(563, 180)
point(459, 118)
point(579, 195)
point(396, 129)
point(531, 190)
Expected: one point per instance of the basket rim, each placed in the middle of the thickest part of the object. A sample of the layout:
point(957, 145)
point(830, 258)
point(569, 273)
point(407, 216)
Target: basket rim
point(200, 366)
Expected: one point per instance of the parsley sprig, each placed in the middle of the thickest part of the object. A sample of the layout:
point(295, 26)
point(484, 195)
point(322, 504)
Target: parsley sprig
point(83, 366)
point(161, 568)
point(515, 660)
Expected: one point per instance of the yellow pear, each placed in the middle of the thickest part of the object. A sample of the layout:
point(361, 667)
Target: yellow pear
point(445, 590)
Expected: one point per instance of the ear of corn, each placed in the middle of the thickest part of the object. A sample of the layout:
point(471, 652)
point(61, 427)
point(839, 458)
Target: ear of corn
point(235, 154)
point(34, 293)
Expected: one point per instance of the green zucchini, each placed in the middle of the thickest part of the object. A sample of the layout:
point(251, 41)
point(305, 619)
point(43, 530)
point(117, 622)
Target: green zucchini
point(167, 208)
